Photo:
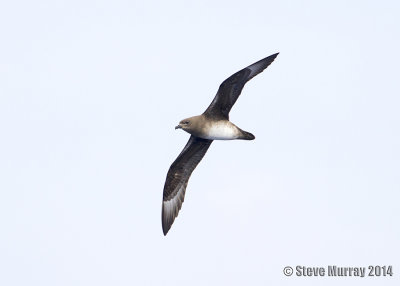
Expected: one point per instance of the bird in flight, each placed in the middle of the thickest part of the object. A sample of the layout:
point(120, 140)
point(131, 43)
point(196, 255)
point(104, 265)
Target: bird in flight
point(213, 124)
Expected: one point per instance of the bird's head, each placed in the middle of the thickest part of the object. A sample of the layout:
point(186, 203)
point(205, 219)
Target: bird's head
point(184, 124)
point(188, 124)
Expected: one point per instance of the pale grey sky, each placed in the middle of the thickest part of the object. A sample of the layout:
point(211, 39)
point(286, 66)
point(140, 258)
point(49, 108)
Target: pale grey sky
point(90, 92)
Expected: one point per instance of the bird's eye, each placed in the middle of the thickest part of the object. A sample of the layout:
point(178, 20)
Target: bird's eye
point(186, 122)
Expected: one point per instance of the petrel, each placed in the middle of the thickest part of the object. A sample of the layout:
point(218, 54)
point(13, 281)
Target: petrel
point(213, 124)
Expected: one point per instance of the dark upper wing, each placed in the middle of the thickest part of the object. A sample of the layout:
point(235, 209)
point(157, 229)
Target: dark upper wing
point(231, 88)
point(178, 176)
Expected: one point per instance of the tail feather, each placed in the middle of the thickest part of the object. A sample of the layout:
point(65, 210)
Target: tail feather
point(247, 136)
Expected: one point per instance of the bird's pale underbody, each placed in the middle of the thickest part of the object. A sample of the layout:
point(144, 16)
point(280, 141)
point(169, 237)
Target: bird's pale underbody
point(213, 124)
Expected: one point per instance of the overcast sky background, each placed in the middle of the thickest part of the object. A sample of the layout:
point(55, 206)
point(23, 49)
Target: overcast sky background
point(90, 92)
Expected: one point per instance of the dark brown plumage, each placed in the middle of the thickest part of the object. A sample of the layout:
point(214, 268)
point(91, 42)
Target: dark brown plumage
point(178, 177)
point(212, 124)
point(231, 88)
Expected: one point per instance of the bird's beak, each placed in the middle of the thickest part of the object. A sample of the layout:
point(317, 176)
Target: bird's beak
point(178, 127)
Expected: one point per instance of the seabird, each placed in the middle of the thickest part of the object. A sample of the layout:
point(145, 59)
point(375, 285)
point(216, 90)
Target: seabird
point(213, 124)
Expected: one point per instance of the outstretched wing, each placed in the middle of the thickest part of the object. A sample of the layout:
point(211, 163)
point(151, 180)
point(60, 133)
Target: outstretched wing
point(231, 88)
point(178, 176)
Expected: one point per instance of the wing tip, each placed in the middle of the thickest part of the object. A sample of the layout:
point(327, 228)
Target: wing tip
point(166, 221)
point(261, 65)
point(165, 229)
point(271, 58)
point(170, 210)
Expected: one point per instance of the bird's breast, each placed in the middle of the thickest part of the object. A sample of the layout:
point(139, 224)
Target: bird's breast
point(221, 130)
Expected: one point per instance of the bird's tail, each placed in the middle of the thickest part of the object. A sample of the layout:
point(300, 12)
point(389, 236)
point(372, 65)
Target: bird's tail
point(246, 136)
